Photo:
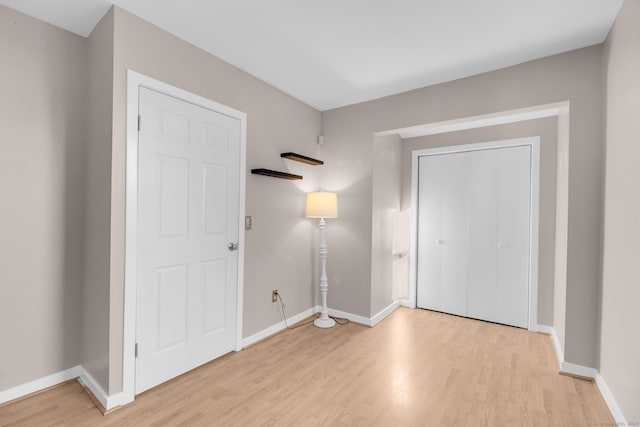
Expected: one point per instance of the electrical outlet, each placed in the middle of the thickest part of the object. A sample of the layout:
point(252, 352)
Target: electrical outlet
point(274, 295)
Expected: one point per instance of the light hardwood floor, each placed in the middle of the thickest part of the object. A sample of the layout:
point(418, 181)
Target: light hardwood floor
point(416, 368)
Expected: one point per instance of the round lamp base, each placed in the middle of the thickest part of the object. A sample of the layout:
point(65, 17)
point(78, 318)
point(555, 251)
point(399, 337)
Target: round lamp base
point(324, 323)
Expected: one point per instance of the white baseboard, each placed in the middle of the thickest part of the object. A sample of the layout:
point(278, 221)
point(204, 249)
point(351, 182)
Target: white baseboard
point(108, 402)
point(545, 329)
point(566, 367)
point(265, 333)
point(406, 303)
point(352, 317)
point(611, 402)
point(278, 327)
point(385, 312)
point(579, 370)
point(584, 371)
point(77, 372)
point(364, 320)
point(556, 342)
point(39, 384)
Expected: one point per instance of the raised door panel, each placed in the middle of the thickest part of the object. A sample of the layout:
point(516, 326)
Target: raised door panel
point(173, 182)
point(171, 302)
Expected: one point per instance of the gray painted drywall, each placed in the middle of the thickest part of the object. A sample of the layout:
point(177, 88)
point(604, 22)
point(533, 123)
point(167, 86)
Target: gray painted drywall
point(95, 319)
point(387, 162)
point(620, 340)
point(575, 76)
point(279, 251)
point(348, 171)
point(42, 105)
point(562, 231)
point(73, 90)
point(547, 130)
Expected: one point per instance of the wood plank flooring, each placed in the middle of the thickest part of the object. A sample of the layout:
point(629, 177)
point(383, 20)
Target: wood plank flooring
point(416, 368)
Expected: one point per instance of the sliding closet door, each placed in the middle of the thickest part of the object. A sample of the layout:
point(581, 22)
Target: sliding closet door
point(443, 242)
point(473, 234)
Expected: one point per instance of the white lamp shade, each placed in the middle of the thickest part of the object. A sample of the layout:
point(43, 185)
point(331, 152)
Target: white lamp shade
point(322, 204)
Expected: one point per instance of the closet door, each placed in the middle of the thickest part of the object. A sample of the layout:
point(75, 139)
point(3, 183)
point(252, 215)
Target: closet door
point(499, 224)
point(473, 234)
point(442, 229)
point(514, 234)
point(482, 273)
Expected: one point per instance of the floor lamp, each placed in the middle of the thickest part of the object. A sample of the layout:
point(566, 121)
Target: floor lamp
point(323, 205)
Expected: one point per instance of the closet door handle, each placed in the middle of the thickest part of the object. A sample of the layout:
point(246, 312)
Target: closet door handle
point(439, 241)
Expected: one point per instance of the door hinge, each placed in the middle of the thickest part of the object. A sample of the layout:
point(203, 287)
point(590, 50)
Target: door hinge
point(139, 122)
point(136, 349)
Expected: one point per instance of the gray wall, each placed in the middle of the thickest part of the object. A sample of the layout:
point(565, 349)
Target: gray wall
point(279, 251)
point(547, 130)
point(348, 171)
point(63, 101)
point(387, 186)
point(620, 347)
point(562, 229)
point(575, 76)
point(95, 318)
point(42, 105)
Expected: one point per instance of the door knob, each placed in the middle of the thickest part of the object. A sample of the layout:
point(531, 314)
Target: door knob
point(232, 246)
point(440, 241)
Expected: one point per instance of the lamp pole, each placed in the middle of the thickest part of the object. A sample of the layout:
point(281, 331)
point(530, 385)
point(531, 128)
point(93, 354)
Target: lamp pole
point(324, 321)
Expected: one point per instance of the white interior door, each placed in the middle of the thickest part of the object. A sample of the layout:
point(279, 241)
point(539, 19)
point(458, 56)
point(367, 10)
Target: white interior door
point(188, 207)
point(474, 227)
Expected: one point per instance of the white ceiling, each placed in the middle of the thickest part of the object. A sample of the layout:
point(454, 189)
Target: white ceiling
point(331, 53)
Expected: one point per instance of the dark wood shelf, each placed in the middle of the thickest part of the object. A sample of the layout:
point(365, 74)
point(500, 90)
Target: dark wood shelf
point(275, 174)
point(301, 158)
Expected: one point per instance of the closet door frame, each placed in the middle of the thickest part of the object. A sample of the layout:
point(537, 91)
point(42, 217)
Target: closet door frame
point(534, 144)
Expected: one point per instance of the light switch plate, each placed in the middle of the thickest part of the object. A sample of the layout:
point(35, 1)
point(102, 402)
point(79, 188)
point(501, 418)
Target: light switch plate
point(247, 223)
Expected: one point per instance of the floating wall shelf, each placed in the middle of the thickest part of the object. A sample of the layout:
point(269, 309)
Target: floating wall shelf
point(275, 174)
point(301, 158)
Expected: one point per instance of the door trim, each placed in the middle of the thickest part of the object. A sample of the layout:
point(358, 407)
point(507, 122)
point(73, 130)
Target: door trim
point(534, 143)
point(134, 82)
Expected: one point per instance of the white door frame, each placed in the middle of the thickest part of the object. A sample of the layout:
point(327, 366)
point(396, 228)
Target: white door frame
point(534, 143)
point(134, 82)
